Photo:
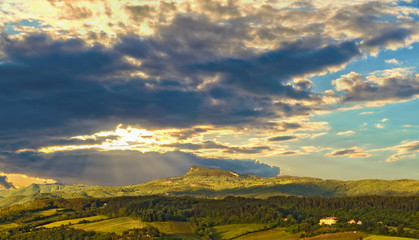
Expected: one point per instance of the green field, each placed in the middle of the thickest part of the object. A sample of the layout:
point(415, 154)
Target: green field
point(233, 230)
point(277, 233)
point(172, 227)
point(340, 236)
point(116, 225)
point(119, 225)
point(74, 221)
point(47, 213)
point(377, 237)
point(5, 226)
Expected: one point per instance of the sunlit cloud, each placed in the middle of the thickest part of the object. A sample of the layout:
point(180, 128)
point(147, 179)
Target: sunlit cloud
point(393, 61)
point(346, 133)
point(203, 141)
point(353, 152)
point(211, 79)
point(22, 180)
point(379, 88)
point(366, 113)
point(406, 150)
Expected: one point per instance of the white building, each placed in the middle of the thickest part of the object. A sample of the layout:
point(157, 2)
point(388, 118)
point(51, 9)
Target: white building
point(328, 221)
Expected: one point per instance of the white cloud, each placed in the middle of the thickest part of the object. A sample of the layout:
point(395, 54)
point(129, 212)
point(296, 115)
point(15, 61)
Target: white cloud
point(366, 113)
point(407, 149)
point(380, 87)
point(379, 125)
point(393, 61)
point(346, 133)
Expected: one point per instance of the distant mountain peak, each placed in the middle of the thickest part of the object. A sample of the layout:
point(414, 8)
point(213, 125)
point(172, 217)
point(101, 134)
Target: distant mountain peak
point(204, 171)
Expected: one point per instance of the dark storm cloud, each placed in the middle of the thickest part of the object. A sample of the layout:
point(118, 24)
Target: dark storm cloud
point(389, 36)
point(266, 74)
point(120, 167)
point(64, 87)
point(4, 184)
point(49, 84)
point(281, 138)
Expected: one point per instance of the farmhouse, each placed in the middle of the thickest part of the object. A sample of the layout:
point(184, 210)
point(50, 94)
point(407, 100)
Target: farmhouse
point(355, 222)
point(328, 221)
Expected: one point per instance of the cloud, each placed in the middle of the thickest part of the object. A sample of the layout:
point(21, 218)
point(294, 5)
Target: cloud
point(379, 125)
point(391, 86)
point(384, 120)
point(366, 113)
point(388, 36)
point(281, 138)
point(266, 73)
point(4, 184)
point(120, 167)
point(407, 149)
point(366, 21)
point(76, 68)
point(346, 133)
point(22, 180)
point(42, 93)
point(353, 152)
point(218, 146)
point(139, 12)
point(393, 61)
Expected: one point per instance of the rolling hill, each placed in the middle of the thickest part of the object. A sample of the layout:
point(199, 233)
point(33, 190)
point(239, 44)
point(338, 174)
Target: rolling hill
point(217, 183)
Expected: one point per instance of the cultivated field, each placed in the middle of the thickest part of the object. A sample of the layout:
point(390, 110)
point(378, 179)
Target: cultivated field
point(234, 230)
point(5, 226)
point(276, 233)
point(340, 236)
point(377, 237)
point(119, 225)
point(74, 221)
point(47, 213)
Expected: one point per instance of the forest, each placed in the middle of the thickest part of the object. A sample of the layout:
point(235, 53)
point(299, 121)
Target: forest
point(381, 215)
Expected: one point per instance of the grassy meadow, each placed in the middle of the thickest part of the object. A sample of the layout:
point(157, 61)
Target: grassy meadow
point(119, 225)
point(276, 233)
point(74, 221)
point(234, 230)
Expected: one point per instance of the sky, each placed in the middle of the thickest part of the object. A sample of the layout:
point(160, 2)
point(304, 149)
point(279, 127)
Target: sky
point(123, 92)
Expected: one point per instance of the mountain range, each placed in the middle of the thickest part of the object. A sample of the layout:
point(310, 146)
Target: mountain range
point(217, 183)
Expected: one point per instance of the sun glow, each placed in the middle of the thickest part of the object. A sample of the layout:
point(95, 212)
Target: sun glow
point(120, 139)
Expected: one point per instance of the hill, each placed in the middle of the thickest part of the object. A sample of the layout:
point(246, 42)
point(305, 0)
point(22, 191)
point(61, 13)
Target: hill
point(218, 183)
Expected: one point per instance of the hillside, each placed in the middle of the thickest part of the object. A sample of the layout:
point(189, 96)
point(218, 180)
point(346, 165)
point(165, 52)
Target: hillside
point(176, 218)
point(217, 183)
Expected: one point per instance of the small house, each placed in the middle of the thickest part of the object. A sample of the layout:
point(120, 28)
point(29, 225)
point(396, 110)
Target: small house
point(355, 222)
point(328, 221)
